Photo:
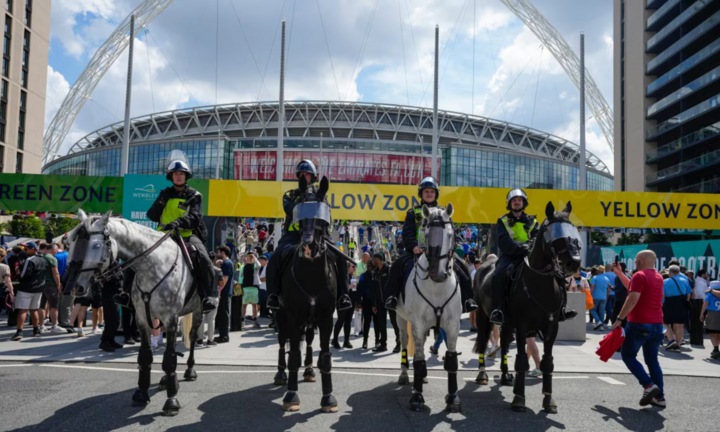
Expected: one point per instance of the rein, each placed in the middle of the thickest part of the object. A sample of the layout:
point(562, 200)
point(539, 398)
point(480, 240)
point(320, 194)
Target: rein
point(113, 270)
point(438, 310)
point(146, 296)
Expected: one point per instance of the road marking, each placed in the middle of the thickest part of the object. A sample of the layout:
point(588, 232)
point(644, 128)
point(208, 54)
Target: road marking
point(611, 380)
point(15, 365)
point(554, 377)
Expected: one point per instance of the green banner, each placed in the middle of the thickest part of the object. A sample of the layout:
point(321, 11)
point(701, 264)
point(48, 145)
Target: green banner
point(140, 192)
point(60, 194)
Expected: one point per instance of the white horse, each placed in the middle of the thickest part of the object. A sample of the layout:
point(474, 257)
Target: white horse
point(432, 297)
point(162, 277)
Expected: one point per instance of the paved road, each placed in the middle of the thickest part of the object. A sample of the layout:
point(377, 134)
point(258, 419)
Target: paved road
point(72, 397)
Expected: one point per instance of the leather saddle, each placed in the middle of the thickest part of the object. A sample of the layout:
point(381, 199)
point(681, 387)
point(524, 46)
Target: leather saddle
point(191, 256)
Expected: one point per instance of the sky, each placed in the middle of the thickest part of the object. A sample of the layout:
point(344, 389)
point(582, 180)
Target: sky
point(202, 52)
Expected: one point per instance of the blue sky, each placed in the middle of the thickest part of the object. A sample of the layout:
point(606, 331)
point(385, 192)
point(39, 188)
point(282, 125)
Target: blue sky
point(514, 78)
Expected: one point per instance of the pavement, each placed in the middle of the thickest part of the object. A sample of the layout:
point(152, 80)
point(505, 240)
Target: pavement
point(49, 397)
point(259, 347)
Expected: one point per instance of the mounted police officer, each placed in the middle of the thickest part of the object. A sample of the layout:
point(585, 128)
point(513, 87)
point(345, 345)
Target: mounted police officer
point(180, 206)
point(292, 237)
point(428, 192)
point(516, 232)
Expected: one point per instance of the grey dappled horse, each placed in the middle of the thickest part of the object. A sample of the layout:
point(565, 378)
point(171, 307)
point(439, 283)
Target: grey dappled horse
point(162, 274)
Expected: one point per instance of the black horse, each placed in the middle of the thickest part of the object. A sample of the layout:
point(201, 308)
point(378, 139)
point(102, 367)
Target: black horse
point(535, 300)
point(309, 280)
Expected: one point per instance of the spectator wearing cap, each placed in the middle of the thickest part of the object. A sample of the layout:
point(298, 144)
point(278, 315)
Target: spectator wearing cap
point(51, 290)
point(644, 313)
point(677, 294)
point(711, 306)
point(250, 281)
point(32, 281)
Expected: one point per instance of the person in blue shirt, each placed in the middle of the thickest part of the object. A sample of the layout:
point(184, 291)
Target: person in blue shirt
point(466, 248)
point(610, 304)
point(600, 287)
point(712, 319)
point(361, 232)
point(675, 313)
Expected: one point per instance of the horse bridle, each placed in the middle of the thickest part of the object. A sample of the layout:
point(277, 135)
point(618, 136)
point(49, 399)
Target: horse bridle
point(85, 234)
point(437, 222)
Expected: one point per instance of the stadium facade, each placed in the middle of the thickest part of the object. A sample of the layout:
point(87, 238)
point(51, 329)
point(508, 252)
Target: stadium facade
point(359, 142)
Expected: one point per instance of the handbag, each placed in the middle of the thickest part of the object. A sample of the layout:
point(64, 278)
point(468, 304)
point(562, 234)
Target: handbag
point(687, 302)
point(589, 304)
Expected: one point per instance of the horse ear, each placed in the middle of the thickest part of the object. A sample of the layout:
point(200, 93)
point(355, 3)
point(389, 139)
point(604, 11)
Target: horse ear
point(104, 219)
point(425, 211)
point(82, 215)
point(324, 186)
point(303, 183)
point(449, 210)
point(550, 210)
point(568, 209)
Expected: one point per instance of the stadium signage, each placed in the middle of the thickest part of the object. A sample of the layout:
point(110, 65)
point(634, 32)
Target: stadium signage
point(61, 194)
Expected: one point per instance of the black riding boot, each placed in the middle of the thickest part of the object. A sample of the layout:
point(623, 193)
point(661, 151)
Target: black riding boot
point(344, 302)
point(466, 291)
point(273, 275)
point(123, 297)
point(498, 297)
point(566, 314)
point(397, 270)
point(205, 273)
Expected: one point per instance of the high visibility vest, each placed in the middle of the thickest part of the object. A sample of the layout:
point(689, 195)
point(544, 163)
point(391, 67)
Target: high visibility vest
point(173, 212)
point(351, 245)
point(518, 232)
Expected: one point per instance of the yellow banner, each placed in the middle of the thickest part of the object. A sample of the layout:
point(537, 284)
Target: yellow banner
point(477, 205)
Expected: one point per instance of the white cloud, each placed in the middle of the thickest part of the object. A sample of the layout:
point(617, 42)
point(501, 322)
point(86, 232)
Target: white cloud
point(57, 89)
point(64, 18)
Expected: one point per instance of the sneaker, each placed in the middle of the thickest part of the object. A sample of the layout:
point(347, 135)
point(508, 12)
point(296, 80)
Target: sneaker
point(535, 373)
point(57, 329)
point(80, 332)
point(347, 345)
point(96, 331)
point(115, 345)
point(129, 341)
point(69, 329)
point(37, 332)
point(18, 336)
point(335, 344)
point(101, 326)
point(672, 346)
point(658, 402)
point(380, 348)
point(105, 346)
point(43, 329)
point(199, 343)
point(598, 327)
point(648, 395)
point(211, 343)
point(715, 355)
point(257, 325)
point(396, 349)
point(221, 339)
point(46, 322)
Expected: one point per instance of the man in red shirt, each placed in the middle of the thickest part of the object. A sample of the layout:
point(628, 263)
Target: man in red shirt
point(643, 310)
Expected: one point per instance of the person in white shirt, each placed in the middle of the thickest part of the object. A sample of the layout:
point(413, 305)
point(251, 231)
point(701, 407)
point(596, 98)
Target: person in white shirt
point(263, 287)
point(702, 285)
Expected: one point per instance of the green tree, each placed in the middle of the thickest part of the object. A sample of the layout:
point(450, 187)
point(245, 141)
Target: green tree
point(599, 239)
point(26, 226)
point(60, 225)
point(630, 239)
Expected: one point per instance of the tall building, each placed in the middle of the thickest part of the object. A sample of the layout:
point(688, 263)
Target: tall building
point(24, 78)
point(667, 95)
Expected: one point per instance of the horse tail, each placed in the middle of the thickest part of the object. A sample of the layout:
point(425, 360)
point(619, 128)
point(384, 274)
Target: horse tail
point(187, 322)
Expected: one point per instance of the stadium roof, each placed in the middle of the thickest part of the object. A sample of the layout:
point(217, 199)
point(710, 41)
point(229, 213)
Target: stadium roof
point(339, 120)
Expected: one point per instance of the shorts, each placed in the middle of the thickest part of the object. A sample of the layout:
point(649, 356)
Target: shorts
point(82, 301)
point(96, 301)
point(712, 322)
point(50, 295)
point(27, 301)
point(250, 295)
point(675, 310)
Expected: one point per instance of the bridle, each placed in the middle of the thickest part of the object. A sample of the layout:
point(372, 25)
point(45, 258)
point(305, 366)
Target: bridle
point(76, 266)
point(430, 251)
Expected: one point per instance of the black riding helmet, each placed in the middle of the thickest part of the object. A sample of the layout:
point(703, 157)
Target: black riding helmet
point(308, 166)
point(178, 165)
point(429, 182)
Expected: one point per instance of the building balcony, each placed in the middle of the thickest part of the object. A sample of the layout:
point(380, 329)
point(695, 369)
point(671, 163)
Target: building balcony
point(690, 37)
point(699, 109)
point(684, 92)
point(710, 186)
point(654, 45)
point(685, 142)
point(689, 166)
point(699, 57)
point(654, 4)
point(662, 14)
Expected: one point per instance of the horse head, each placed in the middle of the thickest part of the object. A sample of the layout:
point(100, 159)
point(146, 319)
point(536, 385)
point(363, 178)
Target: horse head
point(313, 217)
point(439, 241)
point(91, 251)
point(560, 239)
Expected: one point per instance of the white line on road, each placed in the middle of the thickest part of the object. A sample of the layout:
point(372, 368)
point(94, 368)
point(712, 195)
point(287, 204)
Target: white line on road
point(611, 380)
point(554, 377)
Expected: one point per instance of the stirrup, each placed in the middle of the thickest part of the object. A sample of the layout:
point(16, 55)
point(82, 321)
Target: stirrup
point(122, 300)
point(207, 306)
point(566, 315)
point(344, 302)
point(497, 317)
point(391, 303)
point(273, 302)
point(470, 305)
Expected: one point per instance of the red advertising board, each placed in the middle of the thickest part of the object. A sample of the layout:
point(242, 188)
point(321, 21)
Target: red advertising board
point(343, 167)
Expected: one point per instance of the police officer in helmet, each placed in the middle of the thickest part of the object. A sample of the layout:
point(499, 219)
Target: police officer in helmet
point(180, 206)
point(292, 237)
point(516, 232)
point(428, 192)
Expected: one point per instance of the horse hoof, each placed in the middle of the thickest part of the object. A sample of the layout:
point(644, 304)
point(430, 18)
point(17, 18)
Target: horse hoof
point(482, 378)
point(171, 407)
point(453, 404)
point(291, 402)
point(506, 380)
point(417, 402)
point(404, 380)
point(309, 375)
point(162, 386)
point(549, 405)
point(280, 379)
point(190, 375)
point(140, 398)
point(328, 404)
point(518, 404)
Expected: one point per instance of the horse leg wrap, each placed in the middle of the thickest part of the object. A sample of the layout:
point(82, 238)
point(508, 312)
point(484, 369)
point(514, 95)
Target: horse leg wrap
point(420, 368)
point(403, 359)
point(308, 356)
point(481, 361)
point(294, 361)
point(282, 364)
point(546, 364)
point(145, 360)
point(325, 362)
point(169, 364)
point(521, 363)
point(451, 366)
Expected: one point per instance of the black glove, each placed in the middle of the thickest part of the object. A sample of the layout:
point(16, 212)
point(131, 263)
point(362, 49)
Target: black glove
point(525, 249)
point(171, 226)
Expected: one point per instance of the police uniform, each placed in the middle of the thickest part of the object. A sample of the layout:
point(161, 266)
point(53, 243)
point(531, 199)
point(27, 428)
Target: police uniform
point(410, 234)
point(292, 237)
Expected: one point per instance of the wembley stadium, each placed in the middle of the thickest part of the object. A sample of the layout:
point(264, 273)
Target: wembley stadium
point(359, 142)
